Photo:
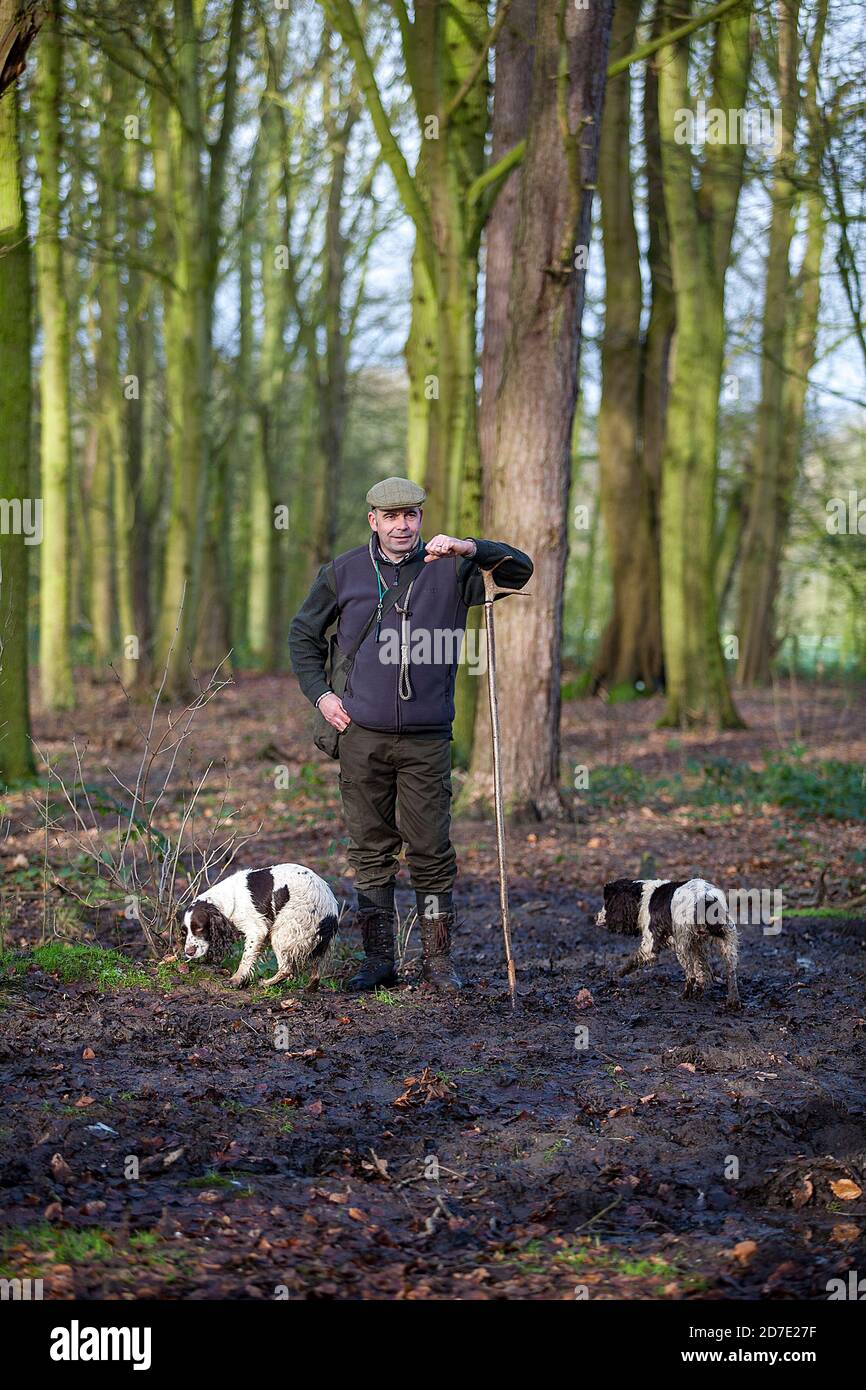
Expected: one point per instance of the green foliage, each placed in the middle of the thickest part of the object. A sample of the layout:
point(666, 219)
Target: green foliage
point(228, 1182)
point(828, 788)
point(61, 1245)
point(108, 969)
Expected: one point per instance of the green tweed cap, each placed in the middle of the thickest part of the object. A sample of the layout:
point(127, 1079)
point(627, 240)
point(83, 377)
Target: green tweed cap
point(396, 492)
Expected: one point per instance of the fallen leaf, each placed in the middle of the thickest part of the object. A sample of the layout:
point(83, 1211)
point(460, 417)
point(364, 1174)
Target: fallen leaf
point(84, 1101)
point(60, 1168)
point(584, 1000)
point(803, 1194)
point(742, 1252)
point(424, 1088)
point(846, 1190)
point(88, 1054)
point(845, 1232)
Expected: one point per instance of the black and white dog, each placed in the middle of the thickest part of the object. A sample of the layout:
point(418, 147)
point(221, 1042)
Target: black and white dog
point(288, 905)
point(691, 915)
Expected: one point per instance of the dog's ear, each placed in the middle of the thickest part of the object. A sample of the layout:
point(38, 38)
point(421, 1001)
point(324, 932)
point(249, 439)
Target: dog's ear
point(221, 934)
point(621, 903)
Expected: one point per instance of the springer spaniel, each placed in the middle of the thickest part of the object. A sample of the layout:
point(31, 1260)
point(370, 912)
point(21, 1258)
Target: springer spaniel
point(288, 905)
point(691, 915)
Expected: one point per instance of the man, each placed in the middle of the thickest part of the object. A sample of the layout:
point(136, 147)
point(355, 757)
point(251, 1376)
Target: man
point(396, 713)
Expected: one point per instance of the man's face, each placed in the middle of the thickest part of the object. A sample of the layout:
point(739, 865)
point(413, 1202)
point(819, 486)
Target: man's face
point(398, 529)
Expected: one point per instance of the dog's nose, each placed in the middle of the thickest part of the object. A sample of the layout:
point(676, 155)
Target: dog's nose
point(189, 951)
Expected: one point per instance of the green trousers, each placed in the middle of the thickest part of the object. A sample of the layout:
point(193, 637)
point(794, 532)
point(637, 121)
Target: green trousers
point(396, 788)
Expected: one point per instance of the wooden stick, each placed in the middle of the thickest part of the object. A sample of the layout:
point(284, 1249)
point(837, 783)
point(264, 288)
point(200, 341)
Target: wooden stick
point(491, 590)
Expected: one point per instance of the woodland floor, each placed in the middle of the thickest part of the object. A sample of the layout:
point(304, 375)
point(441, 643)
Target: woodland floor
point(308, 1170)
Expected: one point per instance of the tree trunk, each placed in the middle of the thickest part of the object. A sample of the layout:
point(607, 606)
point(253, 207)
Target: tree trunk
point(512, 92)
point(332, 376)
point(788, 350)
point(186, 358)
point(760, 541)
point(701, 226)
point(16, 757)
point(55, 664)
point(263, 460)
point(139, 421)
point(630, 649)
point(536, 402)
point(193, 573)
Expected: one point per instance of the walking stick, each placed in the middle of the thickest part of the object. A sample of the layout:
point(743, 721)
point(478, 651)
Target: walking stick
point(492, 590)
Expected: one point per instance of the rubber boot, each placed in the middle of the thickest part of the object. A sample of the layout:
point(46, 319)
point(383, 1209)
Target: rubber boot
point(377, 934)
point(436, 966)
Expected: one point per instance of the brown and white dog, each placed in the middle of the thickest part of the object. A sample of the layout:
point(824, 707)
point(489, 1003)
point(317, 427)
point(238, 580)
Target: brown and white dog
point(690, 915)
point(287, 906)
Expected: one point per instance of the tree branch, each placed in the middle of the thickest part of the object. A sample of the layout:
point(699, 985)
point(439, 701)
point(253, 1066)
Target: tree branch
point(342, 16)
point(646, 50)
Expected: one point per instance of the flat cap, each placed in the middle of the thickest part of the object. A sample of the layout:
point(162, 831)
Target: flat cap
point(396, 492)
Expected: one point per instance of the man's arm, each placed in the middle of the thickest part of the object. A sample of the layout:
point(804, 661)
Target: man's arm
point(308, 646)
point(511, 574)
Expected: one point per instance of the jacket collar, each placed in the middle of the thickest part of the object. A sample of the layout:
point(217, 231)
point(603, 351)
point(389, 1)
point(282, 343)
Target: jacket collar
point(376, 549)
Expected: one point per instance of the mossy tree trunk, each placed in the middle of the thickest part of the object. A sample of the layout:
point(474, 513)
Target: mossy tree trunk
point(790, 321)
point(55, 659)
point(194, 196)
point(16, 756)
point(630, 648)
point(701, 221)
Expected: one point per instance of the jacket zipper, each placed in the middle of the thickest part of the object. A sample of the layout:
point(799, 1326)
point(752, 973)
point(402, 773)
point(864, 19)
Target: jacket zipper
point(397, 668)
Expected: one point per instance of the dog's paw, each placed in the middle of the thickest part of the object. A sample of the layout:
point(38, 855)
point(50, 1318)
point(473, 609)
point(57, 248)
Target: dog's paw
point(236, 982)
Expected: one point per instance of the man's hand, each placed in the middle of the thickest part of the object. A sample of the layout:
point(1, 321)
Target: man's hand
point(332, 708)
point(447, 545)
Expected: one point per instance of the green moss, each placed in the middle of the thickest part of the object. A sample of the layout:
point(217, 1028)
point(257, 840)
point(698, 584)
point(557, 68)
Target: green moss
point(60, 1245)
point(536, 1257)
point(107, 968)
point(229, 1182)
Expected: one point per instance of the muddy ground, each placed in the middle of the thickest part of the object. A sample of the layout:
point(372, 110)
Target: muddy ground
point(406, 1146)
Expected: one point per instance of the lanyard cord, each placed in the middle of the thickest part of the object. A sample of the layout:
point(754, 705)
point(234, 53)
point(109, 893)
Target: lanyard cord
point(381, 586)
point(381, 589)
point(404, 681)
